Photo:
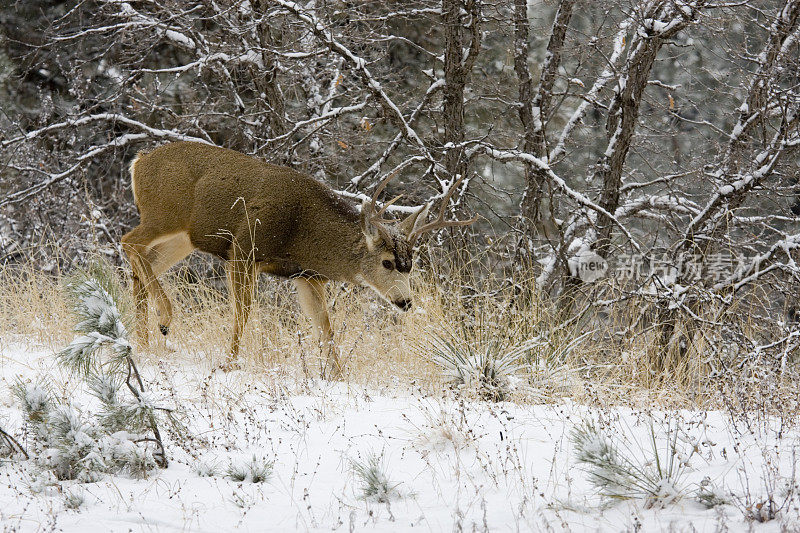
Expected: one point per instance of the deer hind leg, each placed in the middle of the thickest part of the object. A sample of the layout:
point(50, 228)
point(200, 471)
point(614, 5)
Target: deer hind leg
point(241, 285)
point(151, 254)
point(135, 244)
point(163, 255)
point(311, 294)
point(166, 253)
point(139, 295)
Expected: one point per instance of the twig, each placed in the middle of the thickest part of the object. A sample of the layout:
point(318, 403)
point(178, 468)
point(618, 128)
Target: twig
point(13, 443)
point(161, 455)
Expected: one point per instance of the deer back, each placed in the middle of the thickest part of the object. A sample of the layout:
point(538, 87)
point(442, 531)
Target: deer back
point(225, 199)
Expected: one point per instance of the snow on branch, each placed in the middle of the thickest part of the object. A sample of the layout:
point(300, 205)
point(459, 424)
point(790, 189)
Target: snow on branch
point(111, 117)
point(50, 178)
point(763, 263)
point(665, 202)
point(359, 64)
point(658, 22)
point(594, 92)
point(581, 199)
point(375, 167)
point(171, 33)
point(783, 34)
point(396, 169)
point(764, 163)
point(317, 121)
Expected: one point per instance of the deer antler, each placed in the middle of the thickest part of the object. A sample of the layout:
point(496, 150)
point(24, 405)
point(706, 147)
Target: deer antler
point(377, 216)
point(439, 221)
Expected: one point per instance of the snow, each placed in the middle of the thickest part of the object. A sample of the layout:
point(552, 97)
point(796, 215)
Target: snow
point(179, 37)
point(726, 190)
point(685, 8)
point(587, 265)
point(456, 464)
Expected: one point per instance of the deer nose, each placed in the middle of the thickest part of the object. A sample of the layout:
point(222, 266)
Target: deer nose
point(403, 304)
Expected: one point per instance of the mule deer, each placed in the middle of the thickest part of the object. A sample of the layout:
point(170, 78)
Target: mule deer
point(263, 218)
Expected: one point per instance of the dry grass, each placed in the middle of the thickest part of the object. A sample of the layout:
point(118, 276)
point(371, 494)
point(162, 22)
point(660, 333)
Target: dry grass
point(583, 359)
point(32, 305)
point(373, 338)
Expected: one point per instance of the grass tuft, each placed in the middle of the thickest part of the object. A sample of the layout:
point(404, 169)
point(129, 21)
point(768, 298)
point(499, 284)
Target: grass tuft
point(257, 469)
point(373, 480)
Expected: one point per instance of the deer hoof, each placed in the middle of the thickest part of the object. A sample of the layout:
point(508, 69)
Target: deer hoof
point(164, 329)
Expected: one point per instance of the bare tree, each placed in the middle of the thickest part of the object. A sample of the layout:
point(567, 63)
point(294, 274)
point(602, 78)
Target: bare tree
point(630, 131)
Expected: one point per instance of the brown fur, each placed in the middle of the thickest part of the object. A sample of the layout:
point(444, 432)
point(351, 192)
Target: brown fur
point(258, 217)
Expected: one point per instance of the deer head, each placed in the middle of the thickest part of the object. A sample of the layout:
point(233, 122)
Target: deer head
point(386, 266)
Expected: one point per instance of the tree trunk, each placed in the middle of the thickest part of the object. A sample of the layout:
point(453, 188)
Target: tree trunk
point(455, 80)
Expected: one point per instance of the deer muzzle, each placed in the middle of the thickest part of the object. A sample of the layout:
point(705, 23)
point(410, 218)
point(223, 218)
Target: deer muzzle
point(404, 304)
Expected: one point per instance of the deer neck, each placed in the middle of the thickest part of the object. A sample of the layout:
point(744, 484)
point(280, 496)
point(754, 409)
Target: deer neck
point(334, 245)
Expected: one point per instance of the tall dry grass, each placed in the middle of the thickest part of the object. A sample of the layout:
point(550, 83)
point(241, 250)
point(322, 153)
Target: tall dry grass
point(608, 356)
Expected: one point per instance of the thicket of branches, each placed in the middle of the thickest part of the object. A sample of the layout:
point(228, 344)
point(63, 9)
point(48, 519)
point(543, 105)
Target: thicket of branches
point(658, 135)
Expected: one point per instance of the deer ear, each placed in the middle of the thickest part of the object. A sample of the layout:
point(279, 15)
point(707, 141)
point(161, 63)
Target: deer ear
point(369, 231)
point(414, 221)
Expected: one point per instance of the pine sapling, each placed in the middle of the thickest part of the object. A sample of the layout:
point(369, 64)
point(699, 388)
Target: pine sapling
point(101, 325)
point(71, 443)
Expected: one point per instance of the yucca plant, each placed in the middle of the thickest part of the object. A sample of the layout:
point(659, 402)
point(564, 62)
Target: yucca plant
point(489, 366)
point(623, 468)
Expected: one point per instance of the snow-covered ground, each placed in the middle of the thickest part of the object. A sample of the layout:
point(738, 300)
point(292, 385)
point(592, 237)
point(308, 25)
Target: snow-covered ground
point(451, 465)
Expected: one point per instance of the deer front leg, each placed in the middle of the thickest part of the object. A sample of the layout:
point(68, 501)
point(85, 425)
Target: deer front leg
point(241, 284)
point(311, 293)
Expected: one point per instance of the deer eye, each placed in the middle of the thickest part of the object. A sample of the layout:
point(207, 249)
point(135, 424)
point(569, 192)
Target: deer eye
point(388, 264)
